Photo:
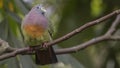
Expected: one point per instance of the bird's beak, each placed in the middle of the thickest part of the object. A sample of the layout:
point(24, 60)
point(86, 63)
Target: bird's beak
point(43, 9)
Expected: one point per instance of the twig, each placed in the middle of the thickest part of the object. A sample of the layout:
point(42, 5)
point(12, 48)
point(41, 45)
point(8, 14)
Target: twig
point(113, 26)
point(14, 53)
point(69, 35)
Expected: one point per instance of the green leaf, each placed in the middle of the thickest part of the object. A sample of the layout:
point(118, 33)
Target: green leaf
point(21, 6)
point(4, 30)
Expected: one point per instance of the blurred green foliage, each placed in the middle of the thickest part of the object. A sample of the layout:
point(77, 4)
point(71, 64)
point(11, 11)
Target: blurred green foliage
point(66, 15)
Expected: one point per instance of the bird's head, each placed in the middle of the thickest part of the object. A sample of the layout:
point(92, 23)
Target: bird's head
point(40, 9)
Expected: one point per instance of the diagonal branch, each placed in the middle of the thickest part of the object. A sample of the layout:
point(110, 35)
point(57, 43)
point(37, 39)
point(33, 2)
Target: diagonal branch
point(108, 36)
point(85, 26)
point(114, 26)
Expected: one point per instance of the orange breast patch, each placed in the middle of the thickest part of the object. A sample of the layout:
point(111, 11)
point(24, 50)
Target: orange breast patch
point(34, 30)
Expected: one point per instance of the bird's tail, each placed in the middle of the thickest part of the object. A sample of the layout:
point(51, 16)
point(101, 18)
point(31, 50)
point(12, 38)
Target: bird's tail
point(46, 56)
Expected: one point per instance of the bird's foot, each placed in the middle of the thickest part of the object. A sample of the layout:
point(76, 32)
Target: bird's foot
point(44, 45)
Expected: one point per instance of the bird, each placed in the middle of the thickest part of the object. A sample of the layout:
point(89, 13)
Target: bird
point(36, 30)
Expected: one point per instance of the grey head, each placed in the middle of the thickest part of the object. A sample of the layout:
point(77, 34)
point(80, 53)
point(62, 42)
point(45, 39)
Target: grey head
point(40, 9)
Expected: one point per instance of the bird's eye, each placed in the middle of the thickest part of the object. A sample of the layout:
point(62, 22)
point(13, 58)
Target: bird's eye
point(37, 7)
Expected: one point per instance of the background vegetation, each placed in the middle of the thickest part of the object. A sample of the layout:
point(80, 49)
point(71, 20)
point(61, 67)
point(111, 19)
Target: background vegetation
point(66, 15)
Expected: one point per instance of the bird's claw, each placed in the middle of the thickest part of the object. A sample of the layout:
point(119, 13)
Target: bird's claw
point(44, 45)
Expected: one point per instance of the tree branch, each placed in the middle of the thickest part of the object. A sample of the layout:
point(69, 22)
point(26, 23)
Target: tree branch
point(107, 36)
point(114, 26)
point(85, 26)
